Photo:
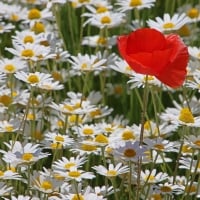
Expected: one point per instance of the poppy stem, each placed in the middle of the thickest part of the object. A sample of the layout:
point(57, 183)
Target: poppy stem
point(143, 113)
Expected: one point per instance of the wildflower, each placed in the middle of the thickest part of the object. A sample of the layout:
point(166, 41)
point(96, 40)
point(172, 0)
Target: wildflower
point(64, 163)
point(9, 175)
point(134, 4)
point(169, 23)
point(190, 164)
point(170, 189)
point(104, 20)
point(10, 66)
point(131, 151)
point(75, 174)
point(111, 171)
point(194, 52)
point(4, 189)
point(152, 176)
point(193, 141)
point(143, 56)
point(5, 28)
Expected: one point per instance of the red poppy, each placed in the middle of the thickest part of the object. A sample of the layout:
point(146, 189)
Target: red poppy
point(149, 52)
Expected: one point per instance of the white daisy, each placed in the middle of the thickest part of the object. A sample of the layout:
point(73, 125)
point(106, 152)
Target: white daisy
point(125, 5)
point(194, 52)
point(168, 23)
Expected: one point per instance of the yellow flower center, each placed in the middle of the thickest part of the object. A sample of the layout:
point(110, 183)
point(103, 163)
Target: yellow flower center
point(10, 68)
point(56, 145)
point(32, 78)
point(30, 116)
point(118, 89)
point(1, 173)
point(78, 197)
point(191, 189)
point(184, 31)
point(83, 1)
point(130, 153)
point(147, 125)
point(101, 139)
point(70, 164)
point(44, 43)
point(38, 135)
point(111, 173)
point(193, 13)
point(30, 1)
point(95, 113)
point(102, 41)
point(59, 138)
point(60, 123)
point(88, 131)
point(5, 100)
point(27, 156)
point(127, 135)
point(159, 147)
point(106, 20)
point(38, 27)
point(156, 197)
point(186, 116)
point(197, 142)
point(186, 149)
point(14, 17)
point(27, 53)
point(28, 39)
point(166, 189)
point(134, 3)
point(57, 76)
point(88, 147)
point(9, 128)
point(74, 174)
point(168, 25)
point(75, 119)
point(84, 66)
point(47, 185)
point(101, 9)
point(150, 178)
point(34, 14)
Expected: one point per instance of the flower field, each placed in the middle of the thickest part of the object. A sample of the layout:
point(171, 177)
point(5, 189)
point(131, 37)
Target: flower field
point(99, 100)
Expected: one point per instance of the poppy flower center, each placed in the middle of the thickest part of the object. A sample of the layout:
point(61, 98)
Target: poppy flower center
point(197, 142)
point(134, 3)
point(34, 14)
point(168, 25)
point(27, 53)
point(38, 27)
point(33, 79)
point(88, 147)
point(166, 189)
point(111, 173)
point(106, 20)
point(101, 9)
point(186, 116)
point(130, 153)
point(28, 39)
point(70, 164)
point(101, 139)
point(10, 68)
point(74, 174)
point(77, 197)
point(59, 138)
point(193, 13)
point(127, 135)
point(27, 156)
point(88, 131)
point(5, 100)
point(46, 185)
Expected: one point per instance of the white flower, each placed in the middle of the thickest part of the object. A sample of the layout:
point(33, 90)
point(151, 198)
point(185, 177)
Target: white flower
point(111, 171)
point(168, 23)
